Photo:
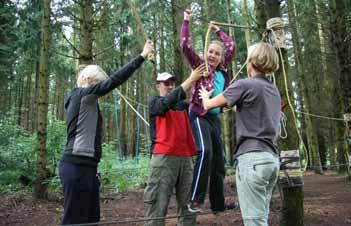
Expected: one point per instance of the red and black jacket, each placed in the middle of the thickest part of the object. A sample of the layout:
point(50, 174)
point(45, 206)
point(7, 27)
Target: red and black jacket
point(170, 129)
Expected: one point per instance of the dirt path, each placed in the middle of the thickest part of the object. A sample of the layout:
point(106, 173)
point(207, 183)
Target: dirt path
point(327, 203)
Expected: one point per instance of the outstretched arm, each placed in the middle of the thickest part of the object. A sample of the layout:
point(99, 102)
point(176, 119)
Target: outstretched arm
point(121, 75)
point(160, 105)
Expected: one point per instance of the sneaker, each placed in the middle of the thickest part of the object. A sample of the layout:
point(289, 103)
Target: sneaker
point(194, 207)
point(231, 204)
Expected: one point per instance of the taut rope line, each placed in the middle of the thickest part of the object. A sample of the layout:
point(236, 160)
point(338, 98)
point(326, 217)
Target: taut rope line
point(131, 106)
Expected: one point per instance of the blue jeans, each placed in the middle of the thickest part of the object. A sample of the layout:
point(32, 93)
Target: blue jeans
point(256, 176)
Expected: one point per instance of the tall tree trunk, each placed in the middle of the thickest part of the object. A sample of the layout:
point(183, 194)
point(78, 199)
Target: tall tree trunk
point(161, 19)
point(247, 22)
point(228, 118)
point(86, 29)
point(40, 190)
point(179, 68)
point(60, 90)
point(19, 99)
point(343, 67)
point(25, 115)
point(305, 93)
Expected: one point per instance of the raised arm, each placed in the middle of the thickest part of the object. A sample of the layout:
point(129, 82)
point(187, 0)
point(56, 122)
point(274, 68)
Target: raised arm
point(227, 41)
point(160, 105)
point(121, 75)
point(192, 57)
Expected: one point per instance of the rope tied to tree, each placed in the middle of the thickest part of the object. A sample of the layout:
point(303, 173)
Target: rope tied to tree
point(274, 35)
point(275, 32)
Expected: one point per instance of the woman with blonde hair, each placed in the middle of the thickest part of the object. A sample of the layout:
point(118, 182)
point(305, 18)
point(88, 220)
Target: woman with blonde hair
point(257, 101)
point(78, 165)
point(206, 126)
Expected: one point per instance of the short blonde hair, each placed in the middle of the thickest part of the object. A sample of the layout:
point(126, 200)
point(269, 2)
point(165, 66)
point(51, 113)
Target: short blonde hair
point(90, 74)
point(263, 57)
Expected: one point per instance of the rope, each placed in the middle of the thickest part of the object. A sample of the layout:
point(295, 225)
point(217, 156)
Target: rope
point(131, 106)
point(229, 25)
point(140, 27)
point(282, 124)
point(126, 221)
point(320, 116)
point(289, 100)
point(208, 34)
point(237, 74)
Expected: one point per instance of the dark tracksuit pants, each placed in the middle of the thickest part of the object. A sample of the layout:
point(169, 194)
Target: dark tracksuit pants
point(81, 193)
point(209, 161)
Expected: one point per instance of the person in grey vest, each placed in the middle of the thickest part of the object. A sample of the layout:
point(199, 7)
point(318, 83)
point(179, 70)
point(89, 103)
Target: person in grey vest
point(257, 102)
point(78, 165)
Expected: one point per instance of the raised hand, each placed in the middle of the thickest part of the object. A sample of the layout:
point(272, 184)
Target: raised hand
point(213, 26)
point(188, 14)
point(148, 48)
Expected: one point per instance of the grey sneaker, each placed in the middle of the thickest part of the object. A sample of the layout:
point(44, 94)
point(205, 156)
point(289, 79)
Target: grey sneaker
point(194, 207)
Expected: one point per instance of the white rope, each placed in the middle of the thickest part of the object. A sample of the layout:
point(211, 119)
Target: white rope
point(282, 126)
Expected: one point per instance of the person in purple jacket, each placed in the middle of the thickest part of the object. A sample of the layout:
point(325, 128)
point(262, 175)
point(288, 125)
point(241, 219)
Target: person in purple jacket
point(206, 124)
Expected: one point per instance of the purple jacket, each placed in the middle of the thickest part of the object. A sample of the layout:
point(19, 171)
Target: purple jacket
point(195, 60)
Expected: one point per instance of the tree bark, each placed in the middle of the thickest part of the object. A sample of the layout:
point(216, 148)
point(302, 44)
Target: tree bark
point(247, 22)
point(86, 29)
point(343, 68)
point(305, 92)
point(179, 68)
point(40, 190)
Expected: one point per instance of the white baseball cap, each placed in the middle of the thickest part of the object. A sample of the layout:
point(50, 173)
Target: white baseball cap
point(164, 77)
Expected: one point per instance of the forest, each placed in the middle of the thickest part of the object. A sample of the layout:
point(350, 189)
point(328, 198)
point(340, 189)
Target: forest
point(44, 42)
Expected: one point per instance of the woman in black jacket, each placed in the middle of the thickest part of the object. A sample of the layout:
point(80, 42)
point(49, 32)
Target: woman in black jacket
point(78, 166)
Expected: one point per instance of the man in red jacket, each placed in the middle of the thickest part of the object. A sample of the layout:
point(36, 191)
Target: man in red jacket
point(172, 149)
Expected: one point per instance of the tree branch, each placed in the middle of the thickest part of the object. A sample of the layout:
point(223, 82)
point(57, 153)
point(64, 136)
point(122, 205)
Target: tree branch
point(75, 49)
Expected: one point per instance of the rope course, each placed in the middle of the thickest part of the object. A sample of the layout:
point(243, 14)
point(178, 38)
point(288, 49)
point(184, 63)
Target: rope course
point(320, 116)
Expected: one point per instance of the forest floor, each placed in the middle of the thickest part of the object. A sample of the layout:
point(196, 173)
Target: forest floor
point(327, 202)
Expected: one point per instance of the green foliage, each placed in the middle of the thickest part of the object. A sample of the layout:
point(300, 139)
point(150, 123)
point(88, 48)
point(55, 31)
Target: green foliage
point(18, 153)
point(55, 143)
point(122, 174)
point(18, 160)
point(16, 150)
